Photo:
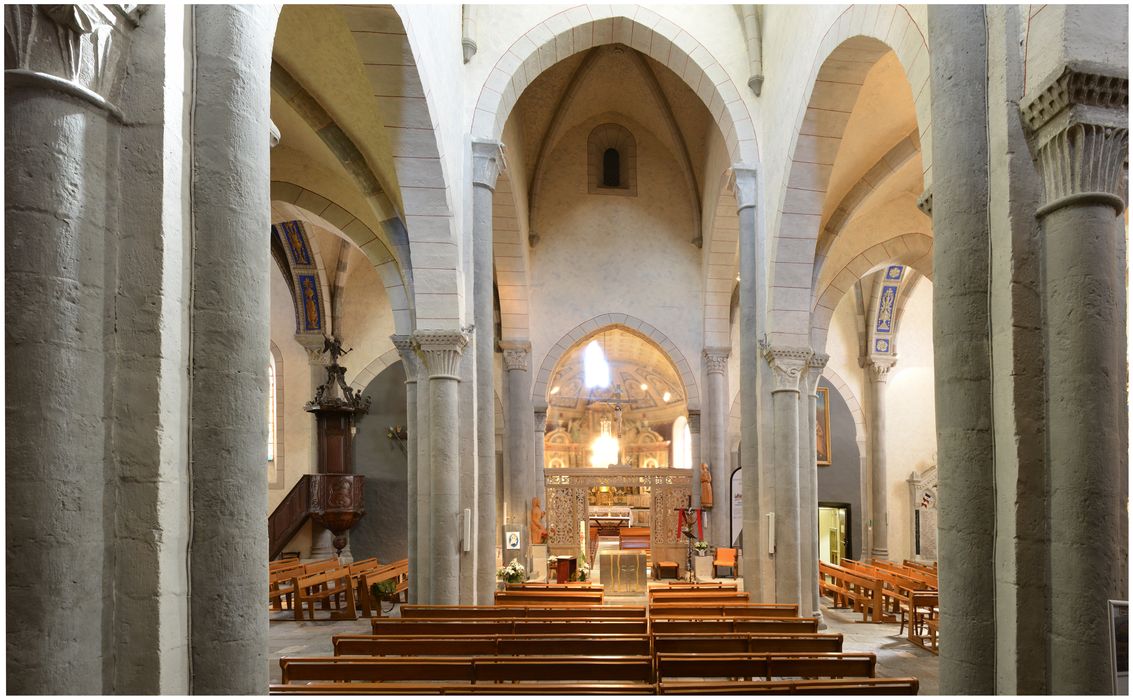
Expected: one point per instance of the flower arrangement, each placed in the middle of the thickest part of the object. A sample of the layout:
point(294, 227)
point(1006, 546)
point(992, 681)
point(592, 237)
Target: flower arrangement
point(397, 432)
point(701, 548)
point(512, 573)
point(583, 570)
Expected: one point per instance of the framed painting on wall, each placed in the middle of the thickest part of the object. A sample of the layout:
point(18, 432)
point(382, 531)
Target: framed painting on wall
point(822, 426)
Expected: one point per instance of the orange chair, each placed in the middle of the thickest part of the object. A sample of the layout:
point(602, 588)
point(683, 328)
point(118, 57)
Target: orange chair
point(726, 558)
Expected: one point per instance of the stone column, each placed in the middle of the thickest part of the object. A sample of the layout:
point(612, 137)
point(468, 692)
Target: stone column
point(404, 345)
point(719, 461)
point(1080, 123)
point(965, 446)
point(878, 370)
point(808, 483)
point(787, 365)
point(441, 351)
point(521, 472)
point(230, 341)
point(694, 448)
point(59, 138)
point(751, 280)
point(540, 414)
point(424, 483)
point(486, 163)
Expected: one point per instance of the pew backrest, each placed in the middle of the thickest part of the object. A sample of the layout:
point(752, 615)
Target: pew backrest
point(766, 666)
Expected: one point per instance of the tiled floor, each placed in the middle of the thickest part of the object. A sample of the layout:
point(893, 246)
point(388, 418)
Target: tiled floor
point(896, 656)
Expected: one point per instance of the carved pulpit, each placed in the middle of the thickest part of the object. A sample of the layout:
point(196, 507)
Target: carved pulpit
point(336, 493)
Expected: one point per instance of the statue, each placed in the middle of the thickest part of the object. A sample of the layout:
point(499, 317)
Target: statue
point(705, 486)
point(538, 532)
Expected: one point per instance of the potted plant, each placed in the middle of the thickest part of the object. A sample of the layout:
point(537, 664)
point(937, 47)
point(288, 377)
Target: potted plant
point(512, 573)
point(385, 592)
point(583, 570)
point(701, 548)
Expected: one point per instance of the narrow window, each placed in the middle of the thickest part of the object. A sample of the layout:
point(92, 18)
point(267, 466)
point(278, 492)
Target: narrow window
point(271, 409)
point(611, 168)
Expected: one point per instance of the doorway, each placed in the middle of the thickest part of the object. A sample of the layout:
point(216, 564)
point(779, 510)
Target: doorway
point(835, 539)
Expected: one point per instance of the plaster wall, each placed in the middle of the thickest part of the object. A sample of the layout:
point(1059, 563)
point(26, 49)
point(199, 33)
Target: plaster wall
point(367, 321)
point(298, 435)
point(383, 530)
point(841, 482)
point(647, 268)
point(910, 429)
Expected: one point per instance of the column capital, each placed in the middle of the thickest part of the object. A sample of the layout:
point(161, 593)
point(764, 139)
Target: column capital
point(717, 360)
point(924, 202)
point(441, 350)
point(517, 355)
point(879, 368)
point(787, 365)
point(409, 359)
point(815, 365)
point(1079, 123)
point(77, 49)
point(694, 421)
point(487, 162)
point(745, 178)
point(541, 418)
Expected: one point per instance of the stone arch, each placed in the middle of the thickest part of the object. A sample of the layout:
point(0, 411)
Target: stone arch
point(911, 249)
point(722, 267)
point(403, 105)
point(511, 259)
point(301, 264)
point(291, 202)
point(853, 44)
point(372, 370)
point(626, 323)
point(585, 26)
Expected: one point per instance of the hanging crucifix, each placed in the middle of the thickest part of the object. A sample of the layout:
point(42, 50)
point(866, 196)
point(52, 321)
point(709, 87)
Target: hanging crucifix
point(686, 518)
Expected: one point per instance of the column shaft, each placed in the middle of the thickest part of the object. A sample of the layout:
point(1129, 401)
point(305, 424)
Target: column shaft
point(878, 371)
point(404, 345)
point(787, 365)
point(695, 449)
point(966, 526)
point(808, 479)
point(521, 473)
point(424, 486)
point(719, 461)
point(540, 415)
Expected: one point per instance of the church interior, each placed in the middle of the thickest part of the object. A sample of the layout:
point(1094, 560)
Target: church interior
point(613, 349)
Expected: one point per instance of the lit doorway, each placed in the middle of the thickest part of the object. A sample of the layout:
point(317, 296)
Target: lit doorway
point(835, 541)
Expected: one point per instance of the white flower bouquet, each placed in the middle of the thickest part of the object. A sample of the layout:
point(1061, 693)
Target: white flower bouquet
point(512, 573)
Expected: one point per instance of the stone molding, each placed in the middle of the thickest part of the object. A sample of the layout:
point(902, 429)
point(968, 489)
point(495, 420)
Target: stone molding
point(694, 421)
point(440, 350)
point(76, 49)
point(787, 364)
point(815, 365)
point(745, 182)
point(716, 359)
point(409, 359)
point(879, 368)
point(517, 355)
point(541, 418)
point(1079, 123)
point(924, 202)
point(487, 162)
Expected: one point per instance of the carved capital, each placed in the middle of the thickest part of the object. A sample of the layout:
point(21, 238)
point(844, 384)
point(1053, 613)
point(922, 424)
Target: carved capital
point(517, 355)
point(924, 203)
point(440, 350)
point(541, 418)
point(1079, 122)
point(487, 162)
point(694, 421)
point(745, 181)
point(716, 360)
point(787, 366)
point(409, 360)
point(814, 366)
point(879, 368)
point(75, 49)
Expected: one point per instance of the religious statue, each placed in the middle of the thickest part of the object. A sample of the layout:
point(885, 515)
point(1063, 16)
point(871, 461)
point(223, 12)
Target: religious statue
point(538, 532)
point(705, 486)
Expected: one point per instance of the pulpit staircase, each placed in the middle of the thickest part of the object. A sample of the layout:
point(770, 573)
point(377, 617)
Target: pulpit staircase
point(290, 515)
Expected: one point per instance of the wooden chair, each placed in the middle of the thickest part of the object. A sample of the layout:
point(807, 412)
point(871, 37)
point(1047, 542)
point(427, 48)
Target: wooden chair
point(725, 559)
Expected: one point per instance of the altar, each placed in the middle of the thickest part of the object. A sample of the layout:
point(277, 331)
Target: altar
point(622, 570)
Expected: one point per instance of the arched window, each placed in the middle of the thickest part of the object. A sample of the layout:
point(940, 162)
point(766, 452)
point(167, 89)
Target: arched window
point(271, 409)
point(682, 444)
point(611, 170)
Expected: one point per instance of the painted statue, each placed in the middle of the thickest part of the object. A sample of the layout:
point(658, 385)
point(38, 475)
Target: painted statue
point(705, 486)
point(538, 532)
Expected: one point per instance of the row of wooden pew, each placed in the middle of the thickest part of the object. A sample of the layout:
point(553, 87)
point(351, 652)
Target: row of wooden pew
point(686, 641)
point(884, 591)
point(341, 590)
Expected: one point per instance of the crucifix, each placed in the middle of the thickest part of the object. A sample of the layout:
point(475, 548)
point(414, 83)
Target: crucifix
point(686, 518)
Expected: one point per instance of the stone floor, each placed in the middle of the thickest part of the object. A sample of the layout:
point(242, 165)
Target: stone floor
point(896, 656)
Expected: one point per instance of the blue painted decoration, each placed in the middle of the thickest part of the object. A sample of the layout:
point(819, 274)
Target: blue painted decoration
point(309, 303)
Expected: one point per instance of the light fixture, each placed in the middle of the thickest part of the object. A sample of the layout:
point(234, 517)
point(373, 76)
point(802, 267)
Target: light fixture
point(604, 449)
point(666, 396)
point(554, 390)
point(644, 387)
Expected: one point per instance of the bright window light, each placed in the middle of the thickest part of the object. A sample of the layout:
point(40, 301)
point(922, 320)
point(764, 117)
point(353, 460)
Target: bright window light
point(595, 365)
point(604, 450)
point(666, 397)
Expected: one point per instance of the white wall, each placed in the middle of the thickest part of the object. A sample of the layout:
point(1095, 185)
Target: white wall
point(367, 320)
point(299, 426)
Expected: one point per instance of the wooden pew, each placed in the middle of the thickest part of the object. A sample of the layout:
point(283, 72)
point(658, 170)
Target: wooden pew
point(398, 571)
point(497, 645)
point(694, 585)
point(549, 597)
point(534, 611)
point(425, 688)
point(855, 588)
point(280, 580)
point(777, 626)
point(544, 585)
point(490, 627)
point(469, 669)
point(633, 538)
point(698, 596)
point(325, 586)
point(712, 610)
point(766, 666)
point(816, 686)
point(735, 643)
